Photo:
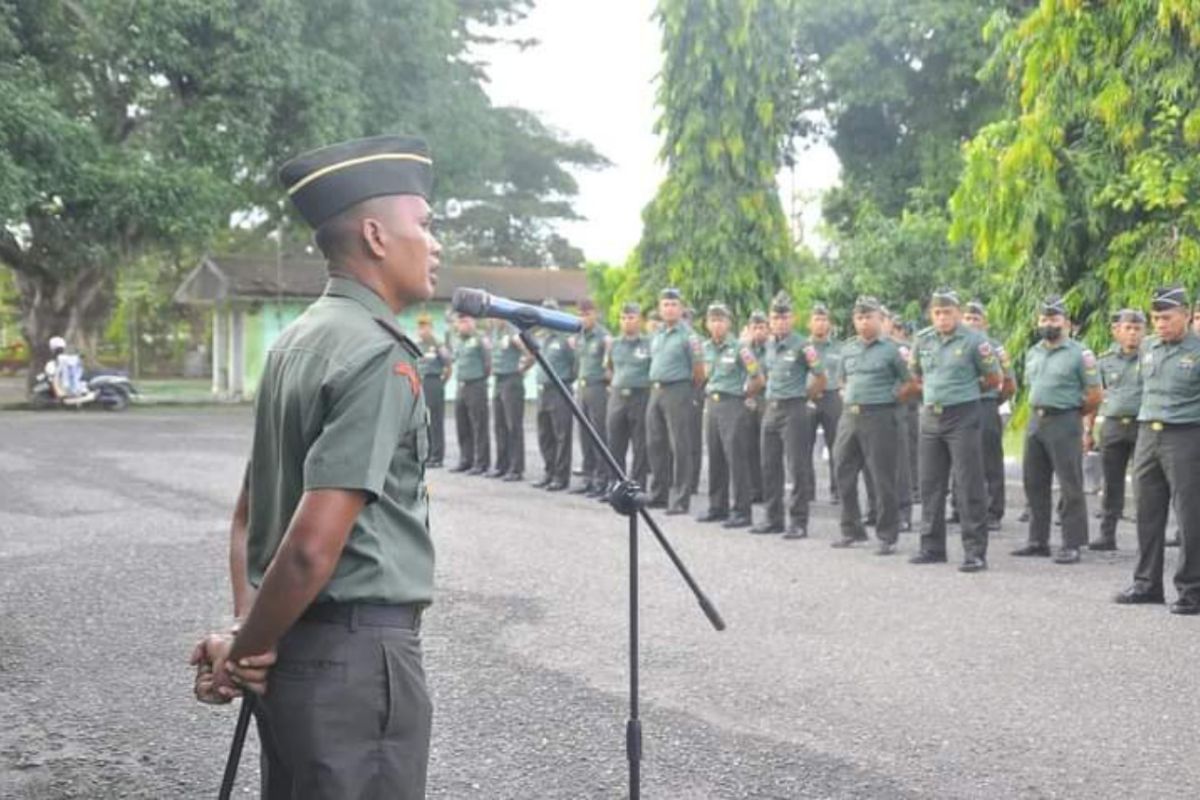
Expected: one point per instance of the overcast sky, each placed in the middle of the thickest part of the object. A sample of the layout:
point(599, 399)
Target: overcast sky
point(593, 77)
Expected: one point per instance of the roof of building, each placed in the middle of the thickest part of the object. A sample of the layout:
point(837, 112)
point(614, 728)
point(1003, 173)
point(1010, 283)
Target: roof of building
point(218, 278)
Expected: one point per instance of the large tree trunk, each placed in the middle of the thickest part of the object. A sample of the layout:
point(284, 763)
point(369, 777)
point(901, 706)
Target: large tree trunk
point(73, 307)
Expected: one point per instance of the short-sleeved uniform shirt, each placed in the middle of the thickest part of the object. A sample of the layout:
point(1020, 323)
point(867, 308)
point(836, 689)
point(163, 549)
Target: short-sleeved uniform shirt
point(340, 406)
point(1059, 375)
point(560, 353)
point(629, 359)
point(1007, 371)
point(870, 373)
point(590, 348)
point(674, 350)
point(1171, 381)
point(729, 365)
point(830, 353)
point(952, 366)
point(472, 356)
point(435, 357)
point(1121, 376)
point(506, 352)
point(789, 362)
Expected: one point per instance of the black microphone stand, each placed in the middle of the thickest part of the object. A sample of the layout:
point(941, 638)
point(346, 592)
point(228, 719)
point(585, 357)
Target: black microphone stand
point(627, 500)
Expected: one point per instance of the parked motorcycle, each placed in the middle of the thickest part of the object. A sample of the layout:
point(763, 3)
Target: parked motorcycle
point(112, 391)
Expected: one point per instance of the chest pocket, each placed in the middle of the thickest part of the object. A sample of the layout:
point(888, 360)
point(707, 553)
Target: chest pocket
point(1184, 373)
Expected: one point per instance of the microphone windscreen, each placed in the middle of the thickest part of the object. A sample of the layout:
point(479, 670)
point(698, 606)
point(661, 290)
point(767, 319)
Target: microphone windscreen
point(472, 302)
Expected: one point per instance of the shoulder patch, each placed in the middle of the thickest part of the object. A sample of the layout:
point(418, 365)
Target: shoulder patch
point(1089, 359)
point(905, 352)
point(985, 349)
point(811, 355)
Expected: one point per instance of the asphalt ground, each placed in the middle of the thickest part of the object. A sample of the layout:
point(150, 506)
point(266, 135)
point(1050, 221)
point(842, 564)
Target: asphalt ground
point(841, 675)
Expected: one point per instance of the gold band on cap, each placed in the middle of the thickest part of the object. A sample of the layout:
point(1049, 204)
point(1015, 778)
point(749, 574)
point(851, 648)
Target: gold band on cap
point(353, 162)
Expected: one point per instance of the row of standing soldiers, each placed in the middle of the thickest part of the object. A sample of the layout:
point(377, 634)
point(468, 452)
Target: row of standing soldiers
point(917, 421)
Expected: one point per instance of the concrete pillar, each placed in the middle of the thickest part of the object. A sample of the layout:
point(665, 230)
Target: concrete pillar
point(220, 351)
point(237, 353)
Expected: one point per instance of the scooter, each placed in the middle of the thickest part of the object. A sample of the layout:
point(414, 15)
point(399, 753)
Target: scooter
point(112, 391)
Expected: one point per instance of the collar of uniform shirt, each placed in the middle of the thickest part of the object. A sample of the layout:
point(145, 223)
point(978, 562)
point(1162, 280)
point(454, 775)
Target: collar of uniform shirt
point(342, 286)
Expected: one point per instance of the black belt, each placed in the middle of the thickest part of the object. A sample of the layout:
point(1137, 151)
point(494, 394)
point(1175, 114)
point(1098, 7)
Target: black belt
point(1123, 420)
point(665, 384)
point(786, 401)
point(584, 382)
point(867, 408)
point(370, 615)
point(938, 408)
point(1155, 425)
point(717, 397)
point(1046, 411)
point(995, 400)
point(471, 381)
point(509, 375)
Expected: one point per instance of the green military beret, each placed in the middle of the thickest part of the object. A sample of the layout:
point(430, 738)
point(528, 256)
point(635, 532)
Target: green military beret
point(1053, 306)
point(781, 303)
point(325, 182)
point(866, 303)
point(1129, 315)
point(944, 297)
point(1169, 297)
point(718, 310)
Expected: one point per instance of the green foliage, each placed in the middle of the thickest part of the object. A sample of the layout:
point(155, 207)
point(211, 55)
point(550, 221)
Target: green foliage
point(716, 228)
point(1089, 185)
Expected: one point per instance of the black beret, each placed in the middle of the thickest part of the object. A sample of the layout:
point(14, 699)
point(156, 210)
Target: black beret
point(1168, 297)
point(631, 308)
point(820, 310)
point(718, 310)
point(325, 182)
point(1129, 315)
point(757, 316)
point(945, 296)
point(670, 293)
point(781, 303)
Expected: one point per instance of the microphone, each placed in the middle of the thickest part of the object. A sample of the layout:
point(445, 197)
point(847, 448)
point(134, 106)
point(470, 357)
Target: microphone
point(478, 303)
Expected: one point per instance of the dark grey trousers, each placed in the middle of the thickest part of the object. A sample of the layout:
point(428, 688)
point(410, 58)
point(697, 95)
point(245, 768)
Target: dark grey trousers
point(755, 456)
point(785, 431)
point(508, 414)
point(697, 438)
point(670, 418)
point(593, 399)
point(434, 389)
point(471, 418)
point(867, 437)
point(912, 414)
point(991, 432)
point(626, 429)
point(727, 430)
point(1118, 440)
point(1166, 467)
point(826, 416)
point(1054, 447)
point(554, 423)
point(950, 442)
point(347, 715)
point(903, 476)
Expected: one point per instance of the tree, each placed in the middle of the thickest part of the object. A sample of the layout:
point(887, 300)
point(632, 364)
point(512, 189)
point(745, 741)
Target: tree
point(716, 228)
point(1090, 184)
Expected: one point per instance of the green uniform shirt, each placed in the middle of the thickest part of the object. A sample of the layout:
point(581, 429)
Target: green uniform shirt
point(435, 357)
point(673, 351)
point(1007, 372)
point(870, 373)
point(560, 353)
point(789, 362)
point(1171, 381)
point(729, 365)
point(506, 352)
point(472, 356)
point(629, 359)
point(952, 366)
point(1121, 375)
point(1060, 375)
point(830, 352)
point(339, 406)
point(590, 348)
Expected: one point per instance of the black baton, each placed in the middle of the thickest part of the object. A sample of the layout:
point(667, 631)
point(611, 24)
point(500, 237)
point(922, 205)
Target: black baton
point(235, 747)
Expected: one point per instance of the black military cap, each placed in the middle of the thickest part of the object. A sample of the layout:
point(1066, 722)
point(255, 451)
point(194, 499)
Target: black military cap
point(820, 310)
point(631, 308)
point(1169, 297)
point(325, 182)
point(781, 303)
point(718, 310)
point(549, 302)
point(757, 316)
point(1129, 315)
point(1054, 306)
point(976, 306)
point(670, 293)
point(943, 297)
point(866, 303)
